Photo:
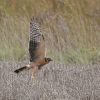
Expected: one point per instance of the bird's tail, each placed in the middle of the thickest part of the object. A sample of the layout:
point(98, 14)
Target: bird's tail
point(22, 68)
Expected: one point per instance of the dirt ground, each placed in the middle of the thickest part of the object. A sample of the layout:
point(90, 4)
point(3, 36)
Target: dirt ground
point(53, 82)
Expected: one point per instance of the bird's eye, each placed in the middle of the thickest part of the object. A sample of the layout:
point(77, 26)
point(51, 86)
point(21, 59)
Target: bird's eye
point(48, 59)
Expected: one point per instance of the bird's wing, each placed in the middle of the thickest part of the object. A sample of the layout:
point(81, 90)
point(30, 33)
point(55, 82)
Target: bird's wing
point(37, 42)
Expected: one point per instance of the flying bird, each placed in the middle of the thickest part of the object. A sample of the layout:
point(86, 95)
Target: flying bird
point(36, 48)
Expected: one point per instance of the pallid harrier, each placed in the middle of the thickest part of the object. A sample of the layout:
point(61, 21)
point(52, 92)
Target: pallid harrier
point(36, 48)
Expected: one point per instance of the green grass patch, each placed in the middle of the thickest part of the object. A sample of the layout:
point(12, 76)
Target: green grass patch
point(12, 53)
point(80, 56)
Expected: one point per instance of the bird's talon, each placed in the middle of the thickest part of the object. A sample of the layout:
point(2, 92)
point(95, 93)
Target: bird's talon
point(32, 77)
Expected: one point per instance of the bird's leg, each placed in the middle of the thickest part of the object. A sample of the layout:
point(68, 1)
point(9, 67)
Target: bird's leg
point(35, 69)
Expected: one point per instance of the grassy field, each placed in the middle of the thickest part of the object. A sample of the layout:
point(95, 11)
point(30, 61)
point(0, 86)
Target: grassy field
point(71, 29)
point(53, 82)
point(72, 32)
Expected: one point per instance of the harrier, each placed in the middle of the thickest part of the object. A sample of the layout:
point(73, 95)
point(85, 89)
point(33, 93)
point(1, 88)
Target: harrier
point(36, 48)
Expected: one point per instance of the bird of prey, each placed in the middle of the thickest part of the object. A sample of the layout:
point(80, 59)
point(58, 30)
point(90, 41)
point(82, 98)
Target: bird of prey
point(36, 48)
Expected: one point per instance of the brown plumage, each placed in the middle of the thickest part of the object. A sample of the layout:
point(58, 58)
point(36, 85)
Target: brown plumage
point(36, 48)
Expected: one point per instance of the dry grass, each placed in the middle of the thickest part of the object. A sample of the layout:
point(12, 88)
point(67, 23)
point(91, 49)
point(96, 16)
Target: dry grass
point(52, 82)
point(71, 28)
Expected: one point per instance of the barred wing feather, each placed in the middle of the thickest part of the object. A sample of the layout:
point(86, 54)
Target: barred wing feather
point(36, 43)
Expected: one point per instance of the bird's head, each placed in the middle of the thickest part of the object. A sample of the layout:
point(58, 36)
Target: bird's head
point(48, 60)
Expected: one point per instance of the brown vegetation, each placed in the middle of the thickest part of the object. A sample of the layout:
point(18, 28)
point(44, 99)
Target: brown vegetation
point(72, 29)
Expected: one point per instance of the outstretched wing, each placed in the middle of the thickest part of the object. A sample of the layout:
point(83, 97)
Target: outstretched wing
point(36, 43)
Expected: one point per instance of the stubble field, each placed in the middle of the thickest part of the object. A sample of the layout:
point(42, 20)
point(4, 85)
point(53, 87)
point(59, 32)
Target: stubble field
point(53, 82)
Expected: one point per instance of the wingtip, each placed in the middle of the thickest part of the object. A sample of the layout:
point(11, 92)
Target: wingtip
point(21, 69)
point(16, 71)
